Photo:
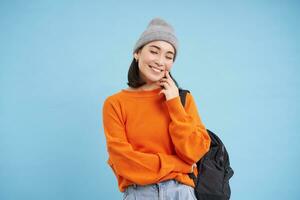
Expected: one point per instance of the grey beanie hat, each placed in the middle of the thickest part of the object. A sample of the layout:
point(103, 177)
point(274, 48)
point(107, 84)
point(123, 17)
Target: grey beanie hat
point(158, 29)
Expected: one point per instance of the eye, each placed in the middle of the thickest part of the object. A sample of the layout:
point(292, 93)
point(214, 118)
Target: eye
point(170, 58)
point(154, 52)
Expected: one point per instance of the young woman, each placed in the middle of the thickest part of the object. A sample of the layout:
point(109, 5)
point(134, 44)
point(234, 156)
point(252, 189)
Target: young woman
point(153, 141)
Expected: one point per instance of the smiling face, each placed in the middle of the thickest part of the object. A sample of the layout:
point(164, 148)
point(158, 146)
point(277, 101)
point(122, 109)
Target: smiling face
point(154, 59)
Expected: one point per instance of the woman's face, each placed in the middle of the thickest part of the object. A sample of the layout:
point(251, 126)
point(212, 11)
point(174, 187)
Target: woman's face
point(154, 59)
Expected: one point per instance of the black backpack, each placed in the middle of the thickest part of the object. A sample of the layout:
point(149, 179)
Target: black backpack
point(214, 169)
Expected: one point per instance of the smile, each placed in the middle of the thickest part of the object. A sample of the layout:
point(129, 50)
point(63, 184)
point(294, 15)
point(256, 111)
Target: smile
point(155, 69)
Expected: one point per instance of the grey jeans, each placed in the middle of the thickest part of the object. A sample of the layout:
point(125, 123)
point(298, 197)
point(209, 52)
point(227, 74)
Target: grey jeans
point(167, 190)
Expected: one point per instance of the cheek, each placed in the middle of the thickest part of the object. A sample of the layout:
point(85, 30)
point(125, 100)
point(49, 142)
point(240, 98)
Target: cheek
point(149, 59)
point(146, 61)
point(169, 67)
point(143, 66)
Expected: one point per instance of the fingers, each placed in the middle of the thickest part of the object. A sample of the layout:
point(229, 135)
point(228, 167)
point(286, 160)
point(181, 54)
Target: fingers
point(167, 78)
point(162, 91)
point(169, 81)
point(165, 84)
point(167, 74)
point(169, 87)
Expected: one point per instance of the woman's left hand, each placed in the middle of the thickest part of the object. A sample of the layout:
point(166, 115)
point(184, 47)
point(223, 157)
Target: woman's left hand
point(170, 90)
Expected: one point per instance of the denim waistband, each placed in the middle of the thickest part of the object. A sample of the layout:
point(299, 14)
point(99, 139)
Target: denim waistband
point(155, 185)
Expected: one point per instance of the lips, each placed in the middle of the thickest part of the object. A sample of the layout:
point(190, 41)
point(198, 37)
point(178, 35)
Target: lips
point(156, 69)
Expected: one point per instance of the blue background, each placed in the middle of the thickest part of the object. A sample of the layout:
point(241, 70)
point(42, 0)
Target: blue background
point(59, 60)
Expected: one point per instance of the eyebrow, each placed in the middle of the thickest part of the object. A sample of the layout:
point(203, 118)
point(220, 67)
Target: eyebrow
point(159, 48)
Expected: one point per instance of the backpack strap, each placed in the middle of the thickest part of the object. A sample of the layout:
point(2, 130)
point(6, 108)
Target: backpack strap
point(182, 94)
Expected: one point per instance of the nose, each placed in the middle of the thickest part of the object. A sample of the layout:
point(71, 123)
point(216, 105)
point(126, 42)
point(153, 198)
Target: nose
point(160, 61)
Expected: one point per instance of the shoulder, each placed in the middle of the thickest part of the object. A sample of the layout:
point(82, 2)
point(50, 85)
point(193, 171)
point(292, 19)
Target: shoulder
point(114, 98)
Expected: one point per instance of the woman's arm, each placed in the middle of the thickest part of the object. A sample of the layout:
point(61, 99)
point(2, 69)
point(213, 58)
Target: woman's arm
point(188, 133)
point(137, 167)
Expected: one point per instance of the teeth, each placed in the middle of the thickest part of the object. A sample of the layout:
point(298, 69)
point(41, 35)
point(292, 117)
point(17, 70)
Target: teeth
point(157, 70)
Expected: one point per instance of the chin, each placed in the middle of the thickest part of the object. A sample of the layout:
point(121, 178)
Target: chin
point(155, 79)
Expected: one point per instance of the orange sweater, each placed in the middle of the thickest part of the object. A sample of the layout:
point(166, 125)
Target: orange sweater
point(150, 140)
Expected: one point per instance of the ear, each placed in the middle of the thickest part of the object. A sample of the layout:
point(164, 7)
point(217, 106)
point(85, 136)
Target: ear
point(136, 56)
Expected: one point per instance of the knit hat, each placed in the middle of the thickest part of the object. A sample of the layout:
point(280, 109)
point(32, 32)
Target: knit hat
point(158, 29)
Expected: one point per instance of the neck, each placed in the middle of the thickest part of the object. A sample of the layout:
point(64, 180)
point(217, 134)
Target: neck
point(147, 87)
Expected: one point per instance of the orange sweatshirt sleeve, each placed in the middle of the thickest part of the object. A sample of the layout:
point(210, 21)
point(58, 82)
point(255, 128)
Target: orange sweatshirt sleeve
point(188, 133)
point(137, 167)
